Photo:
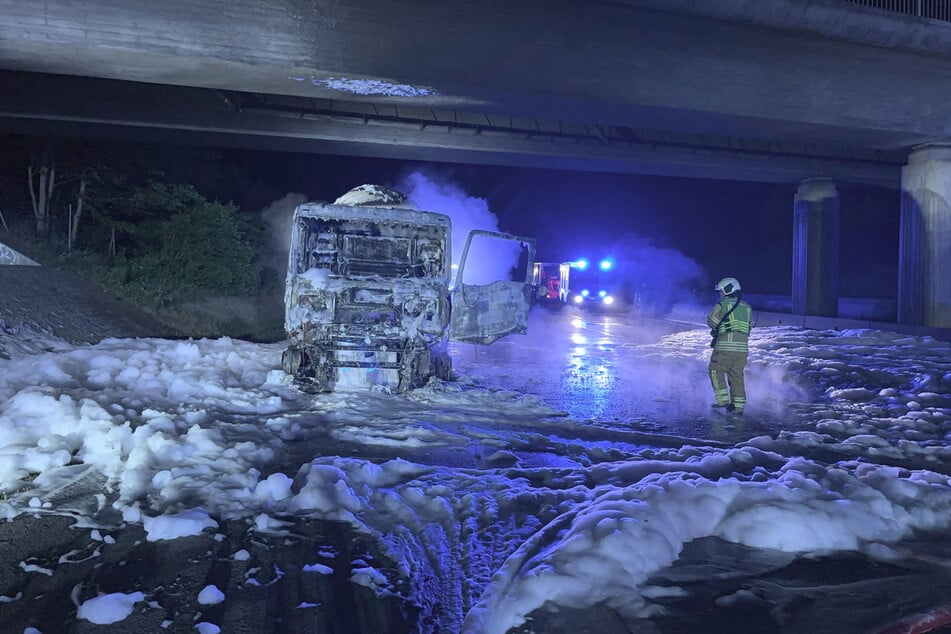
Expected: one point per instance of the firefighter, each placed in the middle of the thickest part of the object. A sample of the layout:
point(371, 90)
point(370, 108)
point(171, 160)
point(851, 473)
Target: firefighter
point(729, 322)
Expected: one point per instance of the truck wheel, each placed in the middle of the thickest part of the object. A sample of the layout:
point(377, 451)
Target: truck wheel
point(416, 371)
point(443, 364)
point(290, 361)
point(293, 360)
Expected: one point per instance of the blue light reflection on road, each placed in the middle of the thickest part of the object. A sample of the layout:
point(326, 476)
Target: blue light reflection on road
point(604, 371)
point(589, 374)
point(585, 364)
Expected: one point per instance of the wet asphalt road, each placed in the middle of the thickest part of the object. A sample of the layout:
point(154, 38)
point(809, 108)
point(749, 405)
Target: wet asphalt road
point(614, 371)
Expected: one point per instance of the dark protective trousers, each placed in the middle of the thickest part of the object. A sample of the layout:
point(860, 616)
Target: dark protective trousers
point(726, 376)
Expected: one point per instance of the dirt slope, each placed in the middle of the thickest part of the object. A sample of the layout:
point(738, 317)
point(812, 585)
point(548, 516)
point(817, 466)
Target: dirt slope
point(69, 307)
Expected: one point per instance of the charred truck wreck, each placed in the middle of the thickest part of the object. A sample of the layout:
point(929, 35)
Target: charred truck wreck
point(368, 301)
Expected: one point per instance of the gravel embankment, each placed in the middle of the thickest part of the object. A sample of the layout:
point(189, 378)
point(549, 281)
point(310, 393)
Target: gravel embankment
point(69, 307)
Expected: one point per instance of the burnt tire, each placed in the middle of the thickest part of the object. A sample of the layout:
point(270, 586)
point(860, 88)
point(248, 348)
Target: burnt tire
point(293, 361)
point(443, 363)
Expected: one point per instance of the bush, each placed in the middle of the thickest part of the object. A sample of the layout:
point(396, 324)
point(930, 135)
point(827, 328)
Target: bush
point(188, 245)
point(175, 246)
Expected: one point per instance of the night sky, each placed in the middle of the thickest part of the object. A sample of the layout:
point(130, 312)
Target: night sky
point(729, 228)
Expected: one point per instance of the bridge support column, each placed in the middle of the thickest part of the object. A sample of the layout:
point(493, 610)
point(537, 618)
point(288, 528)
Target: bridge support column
point(815, 289)
point(924, 253)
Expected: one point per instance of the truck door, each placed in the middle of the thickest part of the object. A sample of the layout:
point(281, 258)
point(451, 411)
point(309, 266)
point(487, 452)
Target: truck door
point(492, 292)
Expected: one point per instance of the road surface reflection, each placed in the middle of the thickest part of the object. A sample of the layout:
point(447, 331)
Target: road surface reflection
point(613, 370)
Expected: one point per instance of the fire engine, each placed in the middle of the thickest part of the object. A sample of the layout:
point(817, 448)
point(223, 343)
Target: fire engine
point(594, 285)
point(550, 282)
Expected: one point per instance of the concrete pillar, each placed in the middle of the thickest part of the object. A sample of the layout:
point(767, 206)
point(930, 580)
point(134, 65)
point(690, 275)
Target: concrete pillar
point(924, 253)
point(816, 248)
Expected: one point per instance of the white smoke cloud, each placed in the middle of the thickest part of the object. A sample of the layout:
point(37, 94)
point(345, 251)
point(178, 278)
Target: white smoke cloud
point(488, 259)
point(278, 218)
point(657, 274)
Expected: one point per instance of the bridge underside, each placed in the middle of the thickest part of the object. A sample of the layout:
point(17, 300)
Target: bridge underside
point(72, 106)
point(608, 86)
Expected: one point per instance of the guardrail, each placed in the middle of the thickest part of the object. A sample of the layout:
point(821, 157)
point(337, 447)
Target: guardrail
point(695, 315)
point(934, 9)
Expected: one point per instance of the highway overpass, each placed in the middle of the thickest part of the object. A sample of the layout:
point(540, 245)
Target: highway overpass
point(765, 90)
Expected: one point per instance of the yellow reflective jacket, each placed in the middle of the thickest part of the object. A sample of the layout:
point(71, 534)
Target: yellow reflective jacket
point(733, 333)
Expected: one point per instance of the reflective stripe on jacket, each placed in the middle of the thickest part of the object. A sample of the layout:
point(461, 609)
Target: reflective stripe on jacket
point(734, 332)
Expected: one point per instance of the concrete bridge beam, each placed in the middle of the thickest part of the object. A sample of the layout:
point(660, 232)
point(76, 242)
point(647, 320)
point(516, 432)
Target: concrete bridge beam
point(924, 268)
point(632, 63)
point(48, 104)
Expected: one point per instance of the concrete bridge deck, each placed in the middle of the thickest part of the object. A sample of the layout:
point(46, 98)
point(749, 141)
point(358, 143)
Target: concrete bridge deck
point(777, 91)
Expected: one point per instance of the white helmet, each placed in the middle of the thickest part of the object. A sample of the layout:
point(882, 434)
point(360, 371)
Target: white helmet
point(728, 285)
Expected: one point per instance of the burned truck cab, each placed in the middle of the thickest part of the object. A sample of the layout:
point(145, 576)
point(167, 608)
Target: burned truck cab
point(369, 300)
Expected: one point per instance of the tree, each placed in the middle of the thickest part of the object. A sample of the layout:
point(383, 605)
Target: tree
point(185, 244)
point(41, 191)
point(78, 213)
point(101, 197)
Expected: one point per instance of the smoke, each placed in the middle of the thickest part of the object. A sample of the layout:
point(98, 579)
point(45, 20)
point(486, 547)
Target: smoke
point(659, 276)
point(278, 219)
point(488, 259)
